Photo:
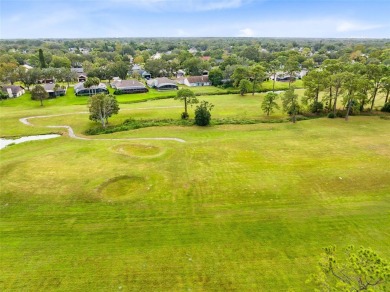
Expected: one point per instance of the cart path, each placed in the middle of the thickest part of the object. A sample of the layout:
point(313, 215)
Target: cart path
point(71, 133)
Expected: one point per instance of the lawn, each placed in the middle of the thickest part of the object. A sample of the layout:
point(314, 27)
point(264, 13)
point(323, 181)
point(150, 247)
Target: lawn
point(235, 207)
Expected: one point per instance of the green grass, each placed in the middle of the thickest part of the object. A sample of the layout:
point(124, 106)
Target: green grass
point(236, 207)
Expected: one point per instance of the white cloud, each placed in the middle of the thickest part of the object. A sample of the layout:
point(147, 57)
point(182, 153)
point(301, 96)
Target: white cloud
point(179, 5)
point(346, 26)
point(246, 32)
point(304, 27)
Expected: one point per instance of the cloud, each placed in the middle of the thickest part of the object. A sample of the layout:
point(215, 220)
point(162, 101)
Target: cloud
point(347, 26)
point(331, 26)
point(178, 5)
point(246, 32)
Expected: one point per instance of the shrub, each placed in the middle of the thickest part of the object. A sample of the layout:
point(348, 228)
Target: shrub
point(340, 114)
point(202, 113)
point(386, 107)
point(331, 115)
point(184, 116)
point(316, 107)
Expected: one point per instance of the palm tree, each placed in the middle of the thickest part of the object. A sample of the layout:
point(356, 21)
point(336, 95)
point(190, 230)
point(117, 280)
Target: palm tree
point(92, 81)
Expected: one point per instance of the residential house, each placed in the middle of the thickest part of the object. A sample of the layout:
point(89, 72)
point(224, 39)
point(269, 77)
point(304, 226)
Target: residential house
point(156, 56)
point(193, 50)
point(46, 80)
point(81, 76)
point(79, 89)
point(13, 90)
point(162, 83)
point(138, 69)
point(128, 86)
point(180, 73)
point(54, 91)
point(28, 67)
point(197, 81)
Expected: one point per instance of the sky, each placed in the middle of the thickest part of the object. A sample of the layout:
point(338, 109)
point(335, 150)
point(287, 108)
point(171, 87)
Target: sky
point(194, 18)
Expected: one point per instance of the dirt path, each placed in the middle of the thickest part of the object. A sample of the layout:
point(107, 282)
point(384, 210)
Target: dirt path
point(71, 133)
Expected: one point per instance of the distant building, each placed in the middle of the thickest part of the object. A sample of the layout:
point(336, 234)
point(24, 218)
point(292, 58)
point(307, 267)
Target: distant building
point(46, 80)
point(128, 86)
point(197, 81)
point(180, 73)
point(79, 89)
point(138, 69)
point(13, 90)
point(54, 92)
point(193, 50)
point(81, 76)
point(162, 83)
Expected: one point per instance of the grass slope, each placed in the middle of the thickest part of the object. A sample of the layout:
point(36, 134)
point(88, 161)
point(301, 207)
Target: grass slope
point(245, 207)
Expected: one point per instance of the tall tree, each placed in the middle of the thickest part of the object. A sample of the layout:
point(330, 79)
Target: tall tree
point(251, 53)
point(239, 73)
point(42, 62)
point(337, 82)
point(30, 77)
point(269, 103)
point(101, 107)
point(290, 103)
point(188, 97)
point(291, 67)
point(386, 88)
point(69, 76)
point(215, 76)
point(120, 69)
point(257, 74)
point(273, 68)
point(351, 85)
point(157, 67)
point(39, 93)
point(334, 68)
point(314, 82)
point(375, 74)
point(60, 62)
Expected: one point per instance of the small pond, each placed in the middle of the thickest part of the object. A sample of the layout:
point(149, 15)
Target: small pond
point(5, 142)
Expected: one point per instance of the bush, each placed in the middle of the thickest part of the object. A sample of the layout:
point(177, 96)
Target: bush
point(386, 107)
point(202, 113)
point(316, 107)
point(331, 115)
point(184, 116)
point(340, 114)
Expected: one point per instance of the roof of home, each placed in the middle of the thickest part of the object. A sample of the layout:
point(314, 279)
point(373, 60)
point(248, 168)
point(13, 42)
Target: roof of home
point(49, 87)
point(198, 79)
point(77, 70)
point(14, 88)
point(161, 81)
point(80, 86)
point(127, 83)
